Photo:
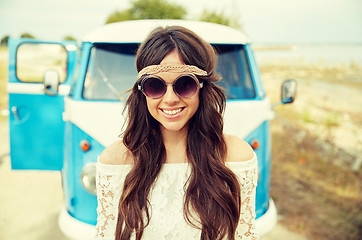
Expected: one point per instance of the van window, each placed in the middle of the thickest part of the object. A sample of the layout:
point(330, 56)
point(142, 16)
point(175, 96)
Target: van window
point(33, 59)
point(111, 71)
point(235, 71)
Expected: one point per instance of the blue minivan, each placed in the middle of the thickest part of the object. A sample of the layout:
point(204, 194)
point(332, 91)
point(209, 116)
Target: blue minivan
point(66, 100)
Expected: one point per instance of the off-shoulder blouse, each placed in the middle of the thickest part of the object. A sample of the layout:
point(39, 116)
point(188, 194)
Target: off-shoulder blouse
point(166, 201)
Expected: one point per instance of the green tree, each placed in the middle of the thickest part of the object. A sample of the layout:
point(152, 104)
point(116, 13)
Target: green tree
point(118, 16)
point(4, 40)
point(149, 9)
point(69, 38)
point(27, 35)
point(220, 18)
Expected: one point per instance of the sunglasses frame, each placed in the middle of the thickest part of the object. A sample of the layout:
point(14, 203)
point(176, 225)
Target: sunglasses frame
point(148, 76)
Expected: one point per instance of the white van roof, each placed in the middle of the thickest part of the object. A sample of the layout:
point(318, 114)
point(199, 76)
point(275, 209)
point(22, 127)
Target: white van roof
point(137, 30)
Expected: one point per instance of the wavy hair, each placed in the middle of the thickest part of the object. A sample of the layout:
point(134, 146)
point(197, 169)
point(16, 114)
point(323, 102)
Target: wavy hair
point(212, 198)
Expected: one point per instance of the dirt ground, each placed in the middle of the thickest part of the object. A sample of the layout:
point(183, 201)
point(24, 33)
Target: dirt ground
point(329, 107)
point(317, 149)
point(30, 201)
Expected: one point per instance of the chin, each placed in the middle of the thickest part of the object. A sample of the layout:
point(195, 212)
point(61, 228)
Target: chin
point(174, 128)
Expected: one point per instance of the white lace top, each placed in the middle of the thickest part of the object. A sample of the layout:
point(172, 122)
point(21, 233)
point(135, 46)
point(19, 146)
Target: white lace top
point(166, 199)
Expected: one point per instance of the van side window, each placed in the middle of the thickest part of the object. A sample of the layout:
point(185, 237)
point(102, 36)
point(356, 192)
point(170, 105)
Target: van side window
point(33, 59)
point(235, 71)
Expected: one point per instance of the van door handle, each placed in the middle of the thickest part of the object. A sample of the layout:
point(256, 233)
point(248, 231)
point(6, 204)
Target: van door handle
point(14, 110)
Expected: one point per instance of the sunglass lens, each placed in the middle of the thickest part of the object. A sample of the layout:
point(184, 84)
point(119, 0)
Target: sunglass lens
point(154, 87)
point(185, 86)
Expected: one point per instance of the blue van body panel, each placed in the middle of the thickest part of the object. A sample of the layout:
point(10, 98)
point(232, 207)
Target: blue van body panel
point(36, 138)
point(264, 161)
point(37, 127)
point(80, 204)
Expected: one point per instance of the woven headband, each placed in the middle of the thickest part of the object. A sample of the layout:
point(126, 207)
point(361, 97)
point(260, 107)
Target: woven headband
point(154, 69)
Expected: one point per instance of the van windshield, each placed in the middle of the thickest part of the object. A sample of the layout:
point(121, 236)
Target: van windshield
point(111, 71)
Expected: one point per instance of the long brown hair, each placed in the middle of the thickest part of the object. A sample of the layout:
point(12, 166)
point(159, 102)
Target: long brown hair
point(212, 198)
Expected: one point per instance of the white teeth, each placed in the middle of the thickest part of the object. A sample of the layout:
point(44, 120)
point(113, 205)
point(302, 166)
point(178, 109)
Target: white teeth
point(172, 112)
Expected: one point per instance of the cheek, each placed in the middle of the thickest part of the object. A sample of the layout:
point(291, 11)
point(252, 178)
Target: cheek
point(151, 106)
point(194, 104)
point(197, 103)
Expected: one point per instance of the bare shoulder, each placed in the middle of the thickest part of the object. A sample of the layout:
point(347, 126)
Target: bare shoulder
point(237, 149)
point(116, 154)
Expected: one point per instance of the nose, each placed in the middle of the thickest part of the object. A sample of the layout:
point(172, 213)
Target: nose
point(170, 96)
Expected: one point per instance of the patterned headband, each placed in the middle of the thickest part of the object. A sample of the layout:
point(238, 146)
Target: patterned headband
point(154, 69)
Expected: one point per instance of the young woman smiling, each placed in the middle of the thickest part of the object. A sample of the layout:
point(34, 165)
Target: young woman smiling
point(175, 174)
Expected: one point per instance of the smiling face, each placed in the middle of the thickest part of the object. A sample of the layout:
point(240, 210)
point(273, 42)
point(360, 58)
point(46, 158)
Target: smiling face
point(171, 111)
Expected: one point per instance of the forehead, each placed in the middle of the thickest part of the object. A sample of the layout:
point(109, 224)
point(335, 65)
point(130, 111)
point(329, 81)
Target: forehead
point(172, 58)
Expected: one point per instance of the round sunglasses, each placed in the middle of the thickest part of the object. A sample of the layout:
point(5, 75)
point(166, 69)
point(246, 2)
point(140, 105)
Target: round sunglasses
point(185, 85)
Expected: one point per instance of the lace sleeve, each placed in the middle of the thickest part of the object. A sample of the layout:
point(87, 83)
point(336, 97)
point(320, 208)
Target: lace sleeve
point(248, 175)
point(108, 182)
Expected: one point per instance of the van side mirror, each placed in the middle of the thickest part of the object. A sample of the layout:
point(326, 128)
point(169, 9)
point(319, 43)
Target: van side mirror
point(288, 91)
point(51, 82)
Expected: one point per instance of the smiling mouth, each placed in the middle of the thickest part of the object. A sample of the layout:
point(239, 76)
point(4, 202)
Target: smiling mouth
point(172, 112)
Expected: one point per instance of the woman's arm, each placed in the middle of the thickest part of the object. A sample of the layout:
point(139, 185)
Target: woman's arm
point(112, 167)
point(246, 227)
point(242, 161)
point(107, 204)
point(237, 149)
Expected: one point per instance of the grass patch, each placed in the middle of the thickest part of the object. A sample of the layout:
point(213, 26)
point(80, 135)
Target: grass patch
point(306, 116)
point(332, 120)
point(323, 119)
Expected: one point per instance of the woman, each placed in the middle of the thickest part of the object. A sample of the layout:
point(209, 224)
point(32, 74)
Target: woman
point(175, 175)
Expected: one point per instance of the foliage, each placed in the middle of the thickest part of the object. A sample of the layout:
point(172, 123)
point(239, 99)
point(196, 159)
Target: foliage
point(149, 9)
point(214, 17)
point(27, 35)
point(118, 16)
point(4, 40)
point(220, 18)
point(69, 38)
point(161, 9)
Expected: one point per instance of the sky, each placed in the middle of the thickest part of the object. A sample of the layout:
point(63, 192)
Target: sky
point(264, 21)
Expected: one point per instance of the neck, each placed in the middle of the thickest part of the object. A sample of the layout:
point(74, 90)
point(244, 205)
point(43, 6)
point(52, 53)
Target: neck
point(175, 145)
